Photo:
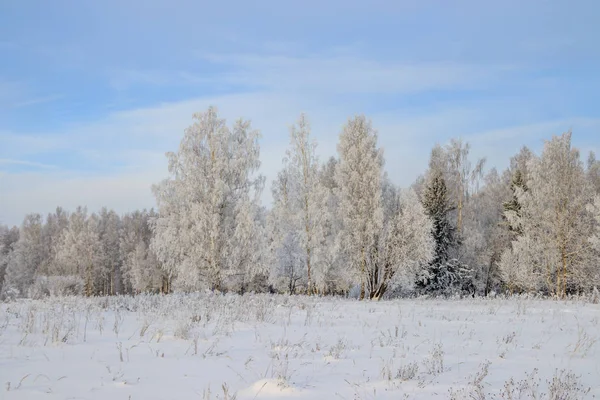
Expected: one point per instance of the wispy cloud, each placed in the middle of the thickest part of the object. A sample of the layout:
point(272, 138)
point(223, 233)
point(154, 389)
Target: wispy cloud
point(351, 74)
point(422, 71)
point(17, 94)
point(37, 100)
point(123, 153)
point(8, 161)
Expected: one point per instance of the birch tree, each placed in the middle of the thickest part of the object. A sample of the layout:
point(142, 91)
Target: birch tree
point(80, 251)
point(144, 270)
point(405, 243)
point(8, 239)
point(593, 265)
point(26, 257)
point(593, 172)
point(359, 176)
point(550, 253)
point(140, 269)
point(287, 254)
point(52, 231)
point(464, 176)
point(212, 173)
point(109, 232)
point(304, 196)
point(331, 276)
point(485, 237)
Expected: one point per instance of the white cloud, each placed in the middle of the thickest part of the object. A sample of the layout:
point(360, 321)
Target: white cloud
point(119, 156)
point(351, 74)
point(7, 161)
point(17, 94)
point(37, 100)
point(135, 141)
point(24, 193)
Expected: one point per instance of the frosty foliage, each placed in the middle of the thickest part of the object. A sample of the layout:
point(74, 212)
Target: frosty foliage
point(335, 227)
point(80, 251)
point(551, 253)
point(24, 259)
point(594, 272)
point(299, 212)
point(205, 208)
point(360, 178)
point(442, 273)
point(8, 238)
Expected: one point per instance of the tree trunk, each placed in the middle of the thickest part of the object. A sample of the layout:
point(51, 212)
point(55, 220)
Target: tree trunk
point(362, 274)
point(564, 275)
point(309, 289)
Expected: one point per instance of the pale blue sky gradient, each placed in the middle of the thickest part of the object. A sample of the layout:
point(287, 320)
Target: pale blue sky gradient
point(93, 93)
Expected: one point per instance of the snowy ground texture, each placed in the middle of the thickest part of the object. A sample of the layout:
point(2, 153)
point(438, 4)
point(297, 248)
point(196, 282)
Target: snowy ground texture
point(205, 346)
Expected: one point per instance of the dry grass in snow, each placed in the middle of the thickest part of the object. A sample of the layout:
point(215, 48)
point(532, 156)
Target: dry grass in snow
point(206, 346)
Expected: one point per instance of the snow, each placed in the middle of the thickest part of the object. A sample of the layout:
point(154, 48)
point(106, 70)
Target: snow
point(207, 346)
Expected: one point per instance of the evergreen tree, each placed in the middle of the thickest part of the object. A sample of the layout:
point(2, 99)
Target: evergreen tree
point(437, 206)
point(444, 273)
point(513, 205)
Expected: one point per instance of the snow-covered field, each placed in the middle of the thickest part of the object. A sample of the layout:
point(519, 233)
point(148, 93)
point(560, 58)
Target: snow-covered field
point(205, 346)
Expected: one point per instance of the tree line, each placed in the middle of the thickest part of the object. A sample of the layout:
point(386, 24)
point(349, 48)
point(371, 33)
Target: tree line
point(335, 227)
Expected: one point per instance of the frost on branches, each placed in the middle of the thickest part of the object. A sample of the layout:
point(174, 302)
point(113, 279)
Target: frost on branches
point(360, 176)
point(551, 253)
point(383, 235)
point(299, 212)
point(207, 208)
point(443, 274)
point(287, 255)
point(335, 227)
point(26, 256)
point(80, 251)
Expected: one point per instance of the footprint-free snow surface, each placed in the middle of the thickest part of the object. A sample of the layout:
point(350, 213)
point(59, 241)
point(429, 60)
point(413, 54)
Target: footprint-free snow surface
point(207, 346)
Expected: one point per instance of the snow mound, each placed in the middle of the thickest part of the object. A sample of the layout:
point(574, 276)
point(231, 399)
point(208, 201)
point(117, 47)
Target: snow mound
point(273, 388)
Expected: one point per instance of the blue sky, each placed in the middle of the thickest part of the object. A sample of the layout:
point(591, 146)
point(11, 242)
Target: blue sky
point(92, 94)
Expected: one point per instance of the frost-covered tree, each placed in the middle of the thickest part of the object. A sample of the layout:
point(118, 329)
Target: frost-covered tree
point(331, 276)
point(287, 254)
point(594, 208)
point(359, 176)
point(463, 176)
point(140, 270)
point(517, 185)
point(109, 232)
point(52, 232)
point(404, 244)
point(444, 273)
point(26, 257)
point(593, 172)
point(303, 196)
point(247, 261)
point(551, 252)
point(518, 175)
point(80, 251)
point(484, 236)
point(213, 183)
point(145, 273)
point(593, 272)
point(8, 238)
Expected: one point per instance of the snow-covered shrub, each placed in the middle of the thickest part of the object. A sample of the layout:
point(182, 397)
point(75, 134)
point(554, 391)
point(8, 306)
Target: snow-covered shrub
point(449, 278)
point(56, 286)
